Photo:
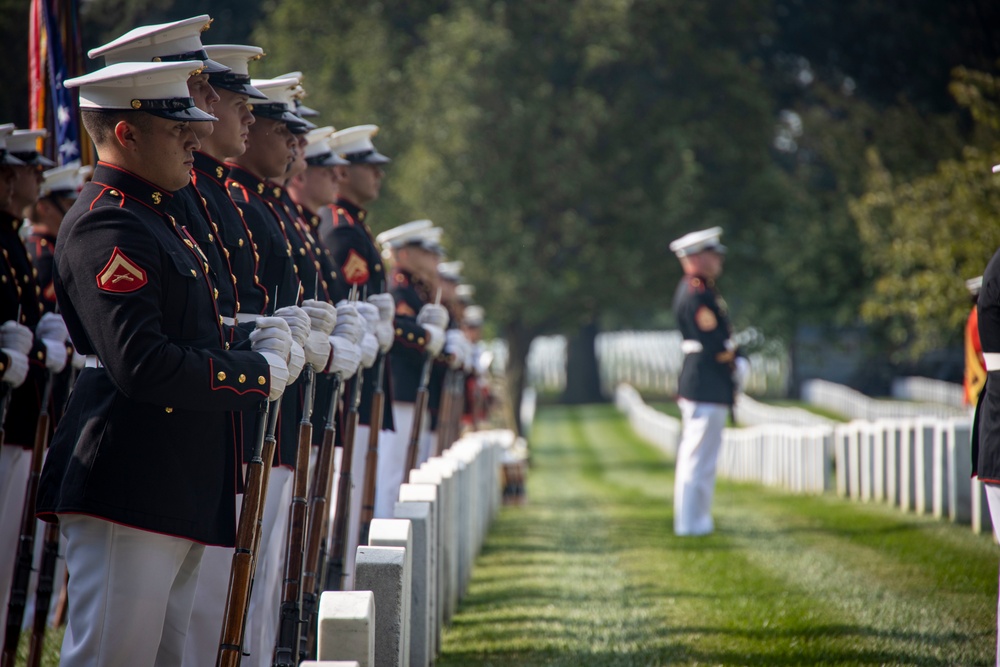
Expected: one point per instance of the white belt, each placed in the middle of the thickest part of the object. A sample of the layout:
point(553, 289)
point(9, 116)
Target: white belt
point(992, 360)
point(91, 361)
point(691, 346)
point(240, 317)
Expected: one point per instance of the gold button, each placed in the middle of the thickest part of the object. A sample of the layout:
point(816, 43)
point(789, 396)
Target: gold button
point(38, 290)
point(420, 340)
point(221, 375)
point(240, 243)
point(193, 272)
point(205, 264)
point(399, 332)
point(227, 346)
point(261, 380)
point(113, 193)
point(168, 410)
point(41, 355)
point(242, 378)
point(188, 243)
point(34, 272)
point(378, 267)
point(226, 251)
point(215, 293)
point(211, 238)
point(409, 336)
point(25, 278)
point(215, 227)
point(1, 366)
point(220, 319)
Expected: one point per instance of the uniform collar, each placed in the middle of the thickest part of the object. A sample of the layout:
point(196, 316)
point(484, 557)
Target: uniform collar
point(274, 191)
point(351, 209)
point(248, 180)
point(308, 215)
point(133, 187)
point(211, 168)
point(9, 224)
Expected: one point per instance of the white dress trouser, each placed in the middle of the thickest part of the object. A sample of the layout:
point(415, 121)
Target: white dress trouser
point(993, 500)
point(392, 459)
point(15, 466)
point(261, 634)
point(697, 455)
point(131, 593)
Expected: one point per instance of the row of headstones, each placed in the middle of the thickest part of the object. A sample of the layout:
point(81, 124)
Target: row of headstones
point(792, 457)
point(852, 404)
point(929, 390)
point(416, 567)
point(922, 465)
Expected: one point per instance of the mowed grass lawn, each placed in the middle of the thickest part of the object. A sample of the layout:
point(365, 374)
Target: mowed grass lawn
point(589, 572)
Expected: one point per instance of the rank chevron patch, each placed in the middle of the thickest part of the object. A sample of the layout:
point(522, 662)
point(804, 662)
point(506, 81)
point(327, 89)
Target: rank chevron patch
point(355, 269)
point(120, 274)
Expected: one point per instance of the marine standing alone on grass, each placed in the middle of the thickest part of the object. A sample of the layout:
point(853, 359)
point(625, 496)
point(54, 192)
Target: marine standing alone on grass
point(710, 376)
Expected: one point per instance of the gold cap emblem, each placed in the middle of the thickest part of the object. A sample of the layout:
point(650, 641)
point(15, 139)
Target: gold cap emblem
point(136, 104)
point(157, 197)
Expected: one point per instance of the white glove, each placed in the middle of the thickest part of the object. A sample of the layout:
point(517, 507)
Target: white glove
point(322, 316)
point(51, 330)
point(434, 315)
point(317, 350)
point(298, 322)
point(741, 373)
point(272, 335)
point(78, 361)
point(14, 336)
point(455, 345)
point(279, 374)
point(386, 334)
point(296, 360)
point(386, 306)
point(350, 324)
point(435, 339)
point(17, 368)
point(369, 350)
point(346, 356)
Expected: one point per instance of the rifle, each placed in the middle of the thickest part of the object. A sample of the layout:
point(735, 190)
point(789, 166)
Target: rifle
point(371, 459)
point(335, 572)
point(26, 543)
point(46, 575)
point(320, 488)
point(248, 537)
point(285, 652)
point(419, 407)
point(446, 427)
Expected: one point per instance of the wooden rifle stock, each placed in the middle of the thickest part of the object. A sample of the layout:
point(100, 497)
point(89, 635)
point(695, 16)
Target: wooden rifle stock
point(248, 538)
point(335, 571)
point(419, 407)
point(287, 648)
point(26, 543)
point(371, 458)
point(320, 487)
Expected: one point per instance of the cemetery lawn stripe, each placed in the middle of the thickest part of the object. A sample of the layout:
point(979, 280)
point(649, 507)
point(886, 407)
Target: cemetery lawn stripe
point(589, 572)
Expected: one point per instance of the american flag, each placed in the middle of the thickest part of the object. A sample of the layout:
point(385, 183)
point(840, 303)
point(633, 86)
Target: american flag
point(56, 54)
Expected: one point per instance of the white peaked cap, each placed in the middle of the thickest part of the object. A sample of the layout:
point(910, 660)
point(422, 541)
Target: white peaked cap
point(465, 291)
point(280, 101)
point(695, 242)
point(24, 145)
point(451, 271)
point(318, 151)
point(5, 157)
point(398, 236)
point(157, 88)
point(996, 169)
point(473, 316)
point(178, 40)
point(237, 57)
point(66, 180)
point(974, 285)
point(355, 145)
point(25, 141)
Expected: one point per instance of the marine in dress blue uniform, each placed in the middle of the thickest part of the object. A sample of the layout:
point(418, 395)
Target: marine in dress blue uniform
point(143, 467)
point(706, 388)
point(986, 423)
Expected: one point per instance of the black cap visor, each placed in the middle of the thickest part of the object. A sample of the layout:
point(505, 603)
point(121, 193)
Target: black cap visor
point(235, 83)
point(9, 160)
point(36, 159)
point(366, 157)
point(326, 160)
